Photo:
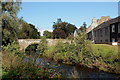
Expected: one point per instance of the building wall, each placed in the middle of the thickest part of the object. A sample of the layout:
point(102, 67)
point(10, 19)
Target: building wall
point(89, 36)
point(94, 24)
point(102, 35)
point(114, 34)
point(107, 32)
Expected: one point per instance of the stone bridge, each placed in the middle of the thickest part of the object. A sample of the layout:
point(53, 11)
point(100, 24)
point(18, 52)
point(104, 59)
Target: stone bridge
point(24, 43)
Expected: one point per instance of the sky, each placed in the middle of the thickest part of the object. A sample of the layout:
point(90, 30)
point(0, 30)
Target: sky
point(43, 14)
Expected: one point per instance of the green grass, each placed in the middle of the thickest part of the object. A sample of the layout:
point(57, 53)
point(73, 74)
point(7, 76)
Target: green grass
point(107, 55)
point(103, 56)
point(105, 50)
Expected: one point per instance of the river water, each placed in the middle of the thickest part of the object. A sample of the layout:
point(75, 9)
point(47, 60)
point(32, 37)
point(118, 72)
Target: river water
point(80, 71)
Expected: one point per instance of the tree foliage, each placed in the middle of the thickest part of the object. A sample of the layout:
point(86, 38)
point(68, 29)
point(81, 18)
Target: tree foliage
point(28, 31)
point(83, 27)
point(48, 34)
point(10, 22)
point(13, 27)
point(58, 33)
point(63, 30)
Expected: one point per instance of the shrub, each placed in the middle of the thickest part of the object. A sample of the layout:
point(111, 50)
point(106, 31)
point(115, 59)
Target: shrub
point(73, 52)
point(42, 46)
point(15, 67)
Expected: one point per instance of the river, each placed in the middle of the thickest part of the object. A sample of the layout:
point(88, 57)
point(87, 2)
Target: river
point(80, 71)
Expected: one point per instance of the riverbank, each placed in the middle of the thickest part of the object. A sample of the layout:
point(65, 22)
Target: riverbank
point(102, 57)
point(75, 71)
point(14, 67)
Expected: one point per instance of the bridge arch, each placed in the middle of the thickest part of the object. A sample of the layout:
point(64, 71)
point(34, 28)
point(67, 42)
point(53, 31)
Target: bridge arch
point(24, 43)
point(32, 49)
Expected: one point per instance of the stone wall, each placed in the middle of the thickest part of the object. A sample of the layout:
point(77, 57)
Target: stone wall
point(24, 43)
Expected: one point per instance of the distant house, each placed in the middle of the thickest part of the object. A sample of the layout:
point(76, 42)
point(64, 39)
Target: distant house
point(106, 32)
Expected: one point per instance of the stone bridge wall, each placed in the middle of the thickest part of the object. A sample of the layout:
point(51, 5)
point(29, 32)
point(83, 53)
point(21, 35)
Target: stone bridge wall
point(24, 43)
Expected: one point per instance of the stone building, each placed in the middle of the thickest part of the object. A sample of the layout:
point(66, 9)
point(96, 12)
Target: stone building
point(94, 24)
point(107, 31)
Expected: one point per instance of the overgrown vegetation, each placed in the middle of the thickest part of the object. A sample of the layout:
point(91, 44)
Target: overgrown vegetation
point(81, 52)
point(13, 28)
point(42, 46)
point(14, 66)
point(78, 51)
point(106, 57)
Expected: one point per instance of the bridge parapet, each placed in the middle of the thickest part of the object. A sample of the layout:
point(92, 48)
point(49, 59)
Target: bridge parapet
point(24, 43)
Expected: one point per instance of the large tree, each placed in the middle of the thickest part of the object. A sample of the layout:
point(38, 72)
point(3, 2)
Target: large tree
point(28, 31)
point(10, 22)
point(63, 30)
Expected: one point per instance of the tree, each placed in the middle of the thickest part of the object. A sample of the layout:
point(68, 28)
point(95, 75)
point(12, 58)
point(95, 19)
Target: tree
point(48, 34)
point(58, 33)
point(83, 27)
point(10, 22)
point(70, 29)
point(63, 30)
point(28, 31)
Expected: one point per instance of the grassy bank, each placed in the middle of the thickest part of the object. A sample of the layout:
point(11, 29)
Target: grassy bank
point(108, 58)
point(102, 56)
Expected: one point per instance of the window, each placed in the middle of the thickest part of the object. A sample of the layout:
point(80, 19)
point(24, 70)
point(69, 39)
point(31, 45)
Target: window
point(119, 28)
point(113, 28)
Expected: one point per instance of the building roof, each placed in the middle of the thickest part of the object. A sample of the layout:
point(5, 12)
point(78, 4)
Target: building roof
point(107, 23)
point(96, 22)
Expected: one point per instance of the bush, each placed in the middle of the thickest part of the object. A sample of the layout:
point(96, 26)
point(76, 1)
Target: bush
point(74, 52)
point(42, 46)
point(15, 67)
point(13, 48)
point(82, 52)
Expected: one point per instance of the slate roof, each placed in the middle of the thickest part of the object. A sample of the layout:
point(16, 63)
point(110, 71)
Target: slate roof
point(107, 23)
